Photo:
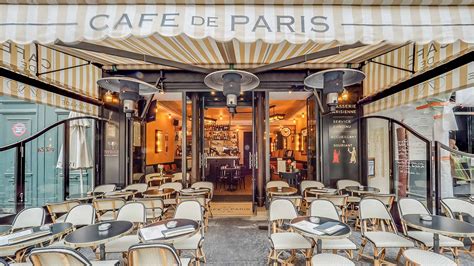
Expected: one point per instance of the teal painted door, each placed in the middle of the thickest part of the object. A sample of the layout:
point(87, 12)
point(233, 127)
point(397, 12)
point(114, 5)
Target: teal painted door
point(43, 180)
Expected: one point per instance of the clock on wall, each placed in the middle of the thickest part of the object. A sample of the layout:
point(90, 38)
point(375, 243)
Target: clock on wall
point(285, 132)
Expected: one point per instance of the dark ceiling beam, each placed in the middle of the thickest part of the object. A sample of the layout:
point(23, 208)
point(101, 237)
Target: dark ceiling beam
point(47, 87)
point(421, 77)
point(135, 56)
point(305, 58)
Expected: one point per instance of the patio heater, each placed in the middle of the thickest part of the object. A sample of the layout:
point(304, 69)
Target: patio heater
point(332, 82)
point(231, 83)
point(130, 91)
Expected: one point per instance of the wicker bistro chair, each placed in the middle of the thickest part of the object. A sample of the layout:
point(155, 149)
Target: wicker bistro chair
point(326, 259)
point(58, 211)
point(271, 184)
point(134, 212)
point(155, 254)
point(191, 209)
point(458, 209)
point(418, 257)
point(177, 186)
point(29, 217)
point(382, 232)
point(281, 211)
point(105, 188)
point(138, 187)
point(202, 200)
point(65, 257)
point(154, 208)
point(80, 215)
point(209, 196)
point(425, 239)
point(305, 186)
point(107, 208)
point(325, 208)
point(386, 199)
point(296, 200)
point(341, 203)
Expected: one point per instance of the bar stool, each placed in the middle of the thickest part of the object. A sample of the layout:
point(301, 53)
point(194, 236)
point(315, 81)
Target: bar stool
point(420, 257)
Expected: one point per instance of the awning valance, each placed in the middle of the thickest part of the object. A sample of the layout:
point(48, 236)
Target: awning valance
point(247, 23)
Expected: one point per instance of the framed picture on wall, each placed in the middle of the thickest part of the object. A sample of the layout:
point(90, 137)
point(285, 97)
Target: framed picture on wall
point(371, 167)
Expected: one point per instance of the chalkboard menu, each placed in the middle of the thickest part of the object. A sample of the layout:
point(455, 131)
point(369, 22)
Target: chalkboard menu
point(340, 145)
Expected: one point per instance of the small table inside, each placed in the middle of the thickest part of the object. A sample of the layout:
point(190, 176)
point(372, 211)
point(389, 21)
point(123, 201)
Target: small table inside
point(439, 225)
point(299, 224)
point(163, 225)
point(282, 191)
point(158, 193)
point(362, 189)
point(90, 235)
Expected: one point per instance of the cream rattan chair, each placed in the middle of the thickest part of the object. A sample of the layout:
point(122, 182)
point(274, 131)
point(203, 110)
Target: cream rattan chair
point(456, 208)
point(58, 210)
point(340, 201)
point(425, 239)
point(65, 257)
point(418, 257)
point(133, 212)
point(155, 254)
point(139, 187)
point(383, 231)
point(177, 186)
point(325, 208)
point(297, 200)
point(155, 208)
point(281, 211)
point(105, 188)
point(191, 209)
point(306, 185)
point(107, 208)
point(29, 217)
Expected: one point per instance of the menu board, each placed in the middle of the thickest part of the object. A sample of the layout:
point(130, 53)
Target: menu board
point(340, 144)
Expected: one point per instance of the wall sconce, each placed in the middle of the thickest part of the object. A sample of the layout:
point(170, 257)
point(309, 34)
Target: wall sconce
point(158, 141)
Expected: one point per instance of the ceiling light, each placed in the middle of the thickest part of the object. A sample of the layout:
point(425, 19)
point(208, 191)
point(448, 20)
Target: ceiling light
point(169, 116)
point(302, 115)
point(213, 93)
point(276, 117)
point(294, 121)
point(289, 91)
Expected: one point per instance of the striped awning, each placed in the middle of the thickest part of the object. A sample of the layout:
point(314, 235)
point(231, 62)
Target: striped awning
point(53, 67)
point(295, 24)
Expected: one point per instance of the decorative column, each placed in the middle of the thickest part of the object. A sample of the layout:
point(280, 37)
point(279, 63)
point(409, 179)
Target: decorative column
point(195, 137)
point(260, 122)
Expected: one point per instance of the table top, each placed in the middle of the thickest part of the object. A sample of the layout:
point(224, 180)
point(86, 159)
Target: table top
point(362, 189)
point(180, 222)
point(119, 194)
point(322, 190)
point(57, 230)
point(90, 235)
point(83, 196)
point(343, 233)
point(282, 190)
point(194, 191)
point(440, 225)
point(158, 192)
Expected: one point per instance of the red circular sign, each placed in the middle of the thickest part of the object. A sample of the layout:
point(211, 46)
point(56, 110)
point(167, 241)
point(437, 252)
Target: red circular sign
point(19, 129)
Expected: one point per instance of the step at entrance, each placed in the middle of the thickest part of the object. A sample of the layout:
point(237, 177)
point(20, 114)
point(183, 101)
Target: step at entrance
point(242, 208)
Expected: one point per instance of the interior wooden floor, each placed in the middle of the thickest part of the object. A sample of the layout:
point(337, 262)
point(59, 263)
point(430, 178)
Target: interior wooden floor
point(221, 189)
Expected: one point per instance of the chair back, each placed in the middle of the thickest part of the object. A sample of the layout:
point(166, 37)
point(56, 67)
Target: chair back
point(337, 200)
point(411, 206)
point(199, 198)
point(81, 215)
point(178, 177)
point(323, 208)
point(375, 211)
point(189, 210)
point(149, 177)
point(309, 184)
point(455, 206)
point(296, 200)
point(29, 217)
point(108, 204)
point(205, 184)
point(343, 183)
point(60, 207)
point(105, 188)
point(154, 207)
point(387, 199)
point(282, 209)
point(177, 186)
point(58, 256)
point(153, 254)
point(271, 184)
point(139, 187)
point(133, 212)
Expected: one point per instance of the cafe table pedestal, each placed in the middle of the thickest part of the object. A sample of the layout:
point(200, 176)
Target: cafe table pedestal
point(90, 236)
point(439, 225)
point(342, 233)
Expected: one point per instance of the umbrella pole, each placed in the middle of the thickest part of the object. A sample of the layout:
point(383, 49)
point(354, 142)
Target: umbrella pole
point(80, 181)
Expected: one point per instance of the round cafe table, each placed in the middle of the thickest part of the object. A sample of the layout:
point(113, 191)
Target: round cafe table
point(282, 191)
point(158, 193)
point(89, 236)
point(342, 233)
point(119, 194)
point(319, 191)
point(170, 240)
point(362, 189)
point(56, 231)
point(194, 191)
point(439, 225)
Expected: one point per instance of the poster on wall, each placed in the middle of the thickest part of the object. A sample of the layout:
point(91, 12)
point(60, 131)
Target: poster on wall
point(341, 145)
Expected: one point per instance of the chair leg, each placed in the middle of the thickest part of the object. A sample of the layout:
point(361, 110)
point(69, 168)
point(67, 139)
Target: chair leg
point(456, 255)
point(362, 246)
point(376, 257)
point(399, 255)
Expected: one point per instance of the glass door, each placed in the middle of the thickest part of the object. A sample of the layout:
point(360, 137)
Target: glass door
point(312, 139)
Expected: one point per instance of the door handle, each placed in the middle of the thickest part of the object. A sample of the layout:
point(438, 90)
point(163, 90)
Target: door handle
point(20, 197)
point(250, 160)
point(256, 160)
